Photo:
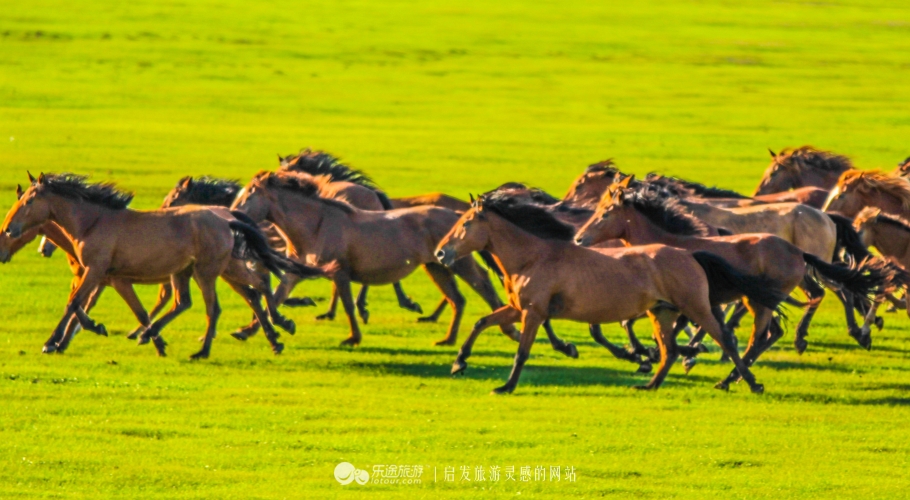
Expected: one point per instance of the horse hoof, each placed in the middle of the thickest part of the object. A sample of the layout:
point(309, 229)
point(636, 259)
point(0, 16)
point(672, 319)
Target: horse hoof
point(800, 345)
point(414, 307)
point(350, 341)
point(326, 316)
point(689, 363)
point(641, 388)
point(102, 331)
point(299, 302)
point(758, 389)
point(278, 348)
point(444, 342)
point(722, 386)
point(135, 334)
point(426, 319)
point(879, 323)
point(501, 391)
point(289, 326)
point(142, 340)
point(160, 345)
point(571, 350)
point(239, 335)
point(49, 348)
point(866, 342)
point(458, 367)
point(365, 316)
point(644, 368)
point(200, 355)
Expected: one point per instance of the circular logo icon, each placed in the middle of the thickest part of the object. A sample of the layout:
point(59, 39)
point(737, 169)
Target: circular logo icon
point(346, 473)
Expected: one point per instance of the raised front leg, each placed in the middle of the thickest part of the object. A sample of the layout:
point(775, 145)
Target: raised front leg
point(75, 324)
point(90, 280)
point(501, 316)
point(432, 318)
point(644, 366)
point(558, 344)
point(252, 298)
point(404, 301)
point(530, 323)
point(478, 279)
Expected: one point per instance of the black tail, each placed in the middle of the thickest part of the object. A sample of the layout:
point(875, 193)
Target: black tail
point(384, 200)
point(488, 259)
point(250, 244)
point(723, 277)
point(862, 278)
point(848, 239)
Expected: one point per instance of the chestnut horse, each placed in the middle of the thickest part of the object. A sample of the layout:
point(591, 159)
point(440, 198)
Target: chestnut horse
point(643, 217)
point(342, 182)
point(547, 276)
point(858, 189)
point(112, 242)
point(801, 167)
point(370, 247)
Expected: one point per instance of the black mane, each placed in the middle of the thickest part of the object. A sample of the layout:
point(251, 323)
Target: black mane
point(529, 217)
point(664, 212)
point(813, 157)
point(210, 190)
point(893, 220)
point(606, 166)
point(322, 163)
point(697, 188)
point(74, 186)
point(303, 185)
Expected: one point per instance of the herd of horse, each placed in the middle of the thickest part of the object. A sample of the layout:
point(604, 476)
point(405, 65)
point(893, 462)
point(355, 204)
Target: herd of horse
point(689, 257)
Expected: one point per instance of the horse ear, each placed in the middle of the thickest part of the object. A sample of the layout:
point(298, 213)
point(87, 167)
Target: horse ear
point(279, 158)
point(471, 197)
point(31, 178)
point(186, 182)
point(41, 178)
point(773, 154)
point(18, 191)
point(626, 181)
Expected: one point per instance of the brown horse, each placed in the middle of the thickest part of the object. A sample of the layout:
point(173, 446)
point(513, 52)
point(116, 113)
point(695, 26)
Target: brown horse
point(858, 189)
point(644, 217)
point(370, 247)
point(725, 198)
point(339, 181)
point(111, 241)
point(903, 168)
point(890, 234)
point(547, 276)
point(587, 189)
point(805, 166)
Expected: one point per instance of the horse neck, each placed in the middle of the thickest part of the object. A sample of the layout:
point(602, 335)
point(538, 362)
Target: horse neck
point(75, 217)
point(513, 247)
point(302, 219)
point(825, 180)
point(641, 231)
point(701, 209)
point(892, 241)
point(59, 237)
point(890, 204)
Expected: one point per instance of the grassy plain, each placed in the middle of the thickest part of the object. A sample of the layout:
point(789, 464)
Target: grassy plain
point(453, 97)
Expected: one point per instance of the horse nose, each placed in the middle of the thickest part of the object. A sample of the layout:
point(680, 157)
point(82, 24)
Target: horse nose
point(581, 241)
point(4, 256)
point(440, 255)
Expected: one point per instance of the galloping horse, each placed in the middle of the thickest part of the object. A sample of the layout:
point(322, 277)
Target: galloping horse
point(890, 234)
point(370, 247)
point(116, 245)
point(805, 166)
point(341, 182)
point(858, 189)
point(547, 276)
point(643, 217)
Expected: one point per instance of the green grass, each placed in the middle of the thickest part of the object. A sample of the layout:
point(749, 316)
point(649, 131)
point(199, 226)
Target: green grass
point(454, 97)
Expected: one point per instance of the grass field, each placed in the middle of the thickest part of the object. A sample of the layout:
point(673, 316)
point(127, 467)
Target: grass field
point(455, 97)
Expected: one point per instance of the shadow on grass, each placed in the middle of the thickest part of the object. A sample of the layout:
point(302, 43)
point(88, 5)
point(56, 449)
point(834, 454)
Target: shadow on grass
point(825, 399)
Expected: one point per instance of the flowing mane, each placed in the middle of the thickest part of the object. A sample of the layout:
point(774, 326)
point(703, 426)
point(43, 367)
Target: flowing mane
point(76, 187)
point(302, 184)
point(903, 167)
point(539, 197)
point(208, 190)
point(674, 183)
point(529, 217)
point(664, 212)
point(809, 157)
point(873, 214)
point(322, 163)
point(606, 166)
point(871, 181)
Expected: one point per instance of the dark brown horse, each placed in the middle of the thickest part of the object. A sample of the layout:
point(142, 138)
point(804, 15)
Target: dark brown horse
point(370, 247)
point(547, 276)
point(805, 166)
point(644, 217)
point(112, 242)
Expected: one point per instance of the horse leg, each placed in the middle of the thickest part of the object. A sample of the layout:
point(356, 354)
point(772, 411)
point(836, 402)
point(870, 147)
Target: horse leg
point(432, 318)
point(635, 345)
point(558, 344)
point(126, 291)
point(252, 298)
point(343, 291)
point(206, 278)
point(868, 321)
point(264, 285)
point(445, 280)
point(618, 352)
point(362, 304)
point(74, 324)
point(530, 323)
point(330, 314)
point(739, 310)
point(479, 280)
point(815, 293)
point(180, 284)
point(404, 301)
point(855, 331)
point(87, 284)
point(763, 336)
point(164, 295)
point(503, 315)
point(663, 319)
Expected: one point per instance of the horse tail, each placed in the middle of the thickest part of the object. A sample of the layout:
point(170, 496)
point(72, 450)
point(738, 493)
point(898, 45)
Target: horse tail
point(488, 259)
point(724, 277)
point(864, 279)
point(384, 200)
point(250, 244)
point(848, 239)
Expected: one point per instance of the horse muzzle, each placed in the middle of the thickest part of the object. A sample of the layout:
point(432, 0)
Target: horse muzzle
point(5, 256)
point(583, 241)
point(444, 257)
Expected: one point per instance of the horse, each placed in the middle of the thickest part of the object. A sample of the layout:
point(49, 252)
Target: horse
point(434, 199)
point(858, 189)
point(903, 168)
point(370, 247)
point(549, 277)
point(805, 166)
point(725, 198)
point(641, 217)
point(586, 190)
point(339, 181)
point(112, 242)
point(890, 234)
